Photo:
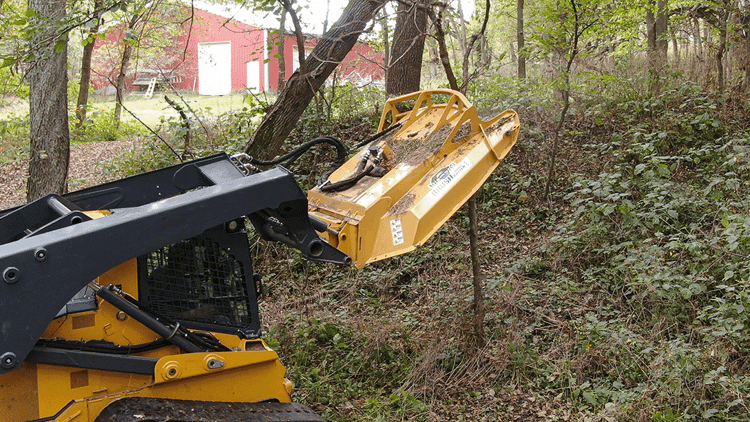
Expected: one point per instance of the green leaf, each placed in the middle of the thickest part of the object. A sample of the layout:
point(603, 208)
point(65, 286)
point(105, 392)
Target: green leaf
point(708, 414)
point(590, 398)
point(8, 61)
point(59, 46)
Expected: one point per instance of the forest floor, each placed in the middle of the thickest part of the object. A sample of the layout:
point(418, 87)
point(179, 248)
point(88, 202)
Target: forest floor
point(89, 166)
point(464, 391)
point(565, 341)
point(418, 309)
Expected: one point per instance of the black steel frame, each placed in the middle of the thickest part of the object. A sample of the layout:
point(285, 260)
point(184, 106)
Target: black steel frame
point(50, 249)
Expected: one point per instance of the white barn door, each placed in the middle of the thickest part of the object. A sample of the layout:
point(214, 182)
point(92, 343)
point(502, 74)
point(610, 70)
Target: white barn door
point(253, 76)
point(215, 68)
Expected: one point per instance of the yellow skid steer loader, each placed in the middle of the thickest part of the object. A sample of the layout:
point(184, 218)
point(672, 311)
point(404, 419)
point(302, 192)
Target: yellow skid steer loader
point(136, 300)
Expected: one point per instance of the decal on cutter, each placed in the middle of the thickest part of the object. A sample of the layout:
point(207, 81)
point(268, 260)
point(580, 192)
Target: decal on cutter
point(397, 232)
point(447, 176)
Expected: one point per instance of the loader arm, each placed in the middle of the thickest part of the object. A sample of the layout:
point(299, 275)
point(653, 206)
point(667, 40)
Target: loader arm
point(52, 249)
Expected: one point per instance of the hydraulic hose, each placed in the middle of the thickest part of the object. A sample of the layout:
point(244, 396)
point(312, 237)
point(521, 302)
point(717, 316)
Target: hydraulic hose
point(171, 334)
point(346, 183)
point(378, 135)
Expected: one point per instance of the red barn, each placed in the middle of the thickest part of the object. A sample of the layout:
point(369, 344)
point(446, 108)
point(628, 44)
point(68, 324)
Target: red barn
point(215, 55)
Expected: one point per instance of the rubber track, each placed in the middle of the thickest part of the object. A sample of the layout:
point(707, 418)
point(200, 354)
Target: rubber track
point(144, 409)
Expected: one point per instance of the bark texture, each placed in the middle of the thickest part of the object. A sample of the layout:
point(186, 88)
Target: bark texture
point(282, 60)
point(405, 65)
point(520, 40)
point(48, 105)
point(88, 50)
point(658, 42)
point(127, 52)
point(443, 50)
point(301, 87)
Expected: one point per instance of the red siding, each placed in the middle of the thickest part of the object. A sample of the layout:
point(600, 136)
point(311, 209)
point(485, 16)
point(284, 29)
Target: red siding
point(246, 41)
point(361, 65)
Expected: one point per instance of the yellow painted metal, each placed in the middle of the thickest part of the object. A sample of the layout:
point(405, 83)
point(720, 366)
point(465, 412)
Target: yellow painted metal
point(78, 395)
point(435, 161)
point(439, 157)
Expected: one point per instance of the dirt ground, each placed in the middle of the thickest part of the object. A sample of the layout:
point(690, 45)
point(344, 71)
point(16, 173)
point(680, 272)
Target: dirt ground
point(88, 164)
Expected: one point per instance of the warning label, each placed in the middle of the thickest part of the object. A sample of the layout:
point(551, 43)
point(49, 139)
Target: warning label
point(397, 232)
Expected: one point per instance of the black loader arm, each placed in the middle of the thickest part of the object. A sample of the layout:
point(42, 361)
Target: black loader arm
point(50, 249)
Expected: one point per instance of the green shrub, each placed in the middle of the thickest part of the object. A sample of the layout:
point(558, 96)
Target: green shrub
point(100, 126)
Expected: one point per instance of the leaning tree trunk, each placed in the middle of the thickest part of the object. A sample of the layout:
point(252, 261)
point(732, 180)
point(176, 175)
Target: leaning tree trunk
point(405, 65)
point(48, 105)
point(301, 87)
point(88, 50)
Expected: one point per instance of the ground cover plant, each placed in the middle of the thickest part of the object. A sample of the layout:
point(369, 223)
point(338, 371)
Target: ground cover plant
point(622, 297)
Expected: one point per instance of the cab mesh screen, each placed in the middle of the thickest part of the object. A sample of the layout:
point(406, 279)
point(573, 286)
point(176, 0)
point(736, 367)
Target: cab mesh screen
point(197, 281)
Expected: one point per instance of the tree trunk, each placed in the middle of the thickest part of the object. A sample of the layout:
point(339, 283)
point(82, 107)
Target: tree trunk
point(124, 64)
point(328, 11)
point(512, 52)
point(723, 16)
point(565, 91)
point(443, 50)
point(120, 83)
point(282, 59)
point(477, 280)
point(697, 56)
point(470, 48)
point(745, 36)
point(48, 105)
point(658, 42)
point(662, 31)
point(301, 87)
point(88, 49)
point(676, 49)
point(720, 58)
point(405, 66)
point(520, 40)
point(386, 42)
point(462, 40)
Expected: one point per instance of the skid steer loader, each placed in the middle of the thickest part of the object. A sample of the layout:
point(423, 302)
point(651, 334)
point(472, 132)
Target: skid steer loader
point(136, 300)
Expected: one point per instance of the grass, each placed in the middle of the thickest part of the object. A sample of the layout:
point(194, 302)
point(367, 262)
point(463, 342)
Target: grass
point(150, 111)
point(154, 110)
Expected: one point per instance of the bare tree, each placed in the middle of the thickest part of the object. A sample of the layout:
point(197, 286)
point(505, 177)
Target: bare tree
point(48, 103)
point(476, 265)
point(568, 50)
